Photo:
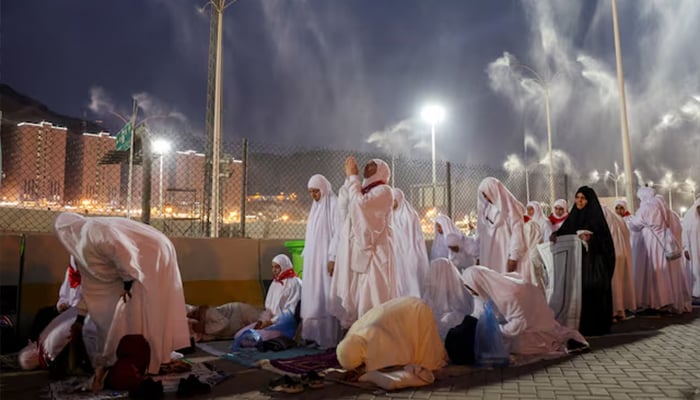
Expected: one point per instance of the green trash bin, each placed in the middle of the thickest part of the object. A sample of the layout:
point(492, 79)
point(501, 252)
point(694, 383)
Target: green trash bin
point(295, 248)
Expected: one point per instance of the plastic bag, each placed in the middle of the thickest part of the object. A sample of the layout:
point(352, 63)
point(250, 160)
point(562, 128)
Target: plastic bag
point(489, 348)
point(286, 325)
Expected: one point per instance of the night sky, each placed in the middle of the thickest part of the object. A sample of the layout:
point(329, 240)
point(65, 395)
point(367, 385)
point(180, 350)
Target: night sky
point(331, 73)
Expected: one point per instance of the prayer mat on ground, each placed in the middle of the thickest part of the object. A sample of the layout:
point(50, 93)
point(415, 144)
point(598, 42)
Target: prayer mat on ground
point(306, 363)
point(250, 357)
point(71, 389)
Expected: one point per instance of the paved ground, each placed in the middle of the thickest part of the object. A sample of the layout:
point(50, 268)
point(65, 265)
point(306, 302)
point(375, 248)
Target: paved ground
point(645, 358)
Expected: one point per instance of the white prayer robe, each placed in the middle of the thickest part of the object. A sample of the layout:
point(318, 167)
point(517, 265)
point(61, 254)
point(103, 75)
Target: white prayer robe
point(530, 326)
point(399, 332)
point(371, 243)
point(500, 228)
point(678, 274)
point(468, 249)
point(652, 279)
point(623, 287)
point(109, 251)
point(533, 271)
point(439, 248)
point(691, 244)
point(283, 295)
point(539, 218)
point(66, 294)
point(343, 290)
point(409, 248)
point(446, 295)
point(319, 324)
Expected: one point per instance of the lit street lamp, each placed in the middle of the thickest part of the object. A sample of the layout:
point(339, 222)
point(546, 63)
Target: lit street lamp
point(615, 177)
point(161, 147)
point(669, 184)
point(433, 114)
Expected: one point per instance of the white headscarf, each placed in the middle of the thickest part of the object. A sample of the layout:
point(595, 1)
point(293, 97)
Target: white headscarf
point(563, 204)
point(503, 204)
point(283, 261)
point(382, 175)
point(645, 194)
point(68, 227)
point(322, 217)
point(620, 202)
point(439, 248)
point(446, 295)
point(541, 220)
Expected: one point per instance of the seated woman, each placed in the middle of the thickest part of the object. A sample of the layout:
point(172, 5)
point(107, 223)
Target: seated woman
point(221, 322)
point(530, 327)
point(283, 296)
point(400, 332)
point(446, 295)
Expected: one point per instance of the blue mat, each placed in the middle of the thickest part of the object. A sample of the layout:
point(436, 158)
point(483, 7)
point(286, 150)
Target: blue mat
point(250, 356)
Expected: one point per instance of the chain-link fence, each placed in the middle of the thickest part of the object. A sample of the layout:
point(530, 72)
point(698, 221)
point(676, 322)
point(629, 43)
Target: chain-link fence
point(262, 189)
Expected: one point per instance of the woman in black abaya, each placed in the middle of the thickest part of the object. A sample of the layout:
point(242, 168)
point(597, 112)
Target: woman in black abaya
point(598, 262)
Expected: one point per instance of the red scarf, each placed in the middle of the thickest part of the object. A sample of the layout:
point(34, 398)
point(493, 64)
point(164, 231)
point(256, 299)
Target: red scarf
point(285, 275)
point(555, 220)
point(371, 186)
point(627, 214)
point(73, 277)
point(526, 218)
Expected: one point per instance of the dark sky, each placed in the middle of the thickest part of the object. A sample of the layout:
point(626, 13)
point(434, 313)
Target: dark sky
point(331, 72)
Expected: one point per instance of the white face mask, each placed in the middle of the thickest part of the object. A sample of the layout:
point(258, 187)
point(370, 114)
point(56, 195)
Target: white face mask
point(491, 214)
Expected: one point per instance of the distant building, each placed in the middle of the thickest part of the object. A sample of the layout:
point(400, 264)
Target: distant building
point(88, 181)
point(34, 164)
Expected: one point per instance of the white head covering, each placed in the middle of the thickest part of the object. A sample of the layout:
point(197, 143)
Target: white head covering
point(283, 261)
point(452, 240)
point(439, 248)
point(382, 175)
point(68, 227)
point(645, 193)
point(538, 214)
point(561, 203)
point(409, 247)
point(620, 202)
point(320, 182)
point(504, 203)
point(322, 217)
point(446, 295)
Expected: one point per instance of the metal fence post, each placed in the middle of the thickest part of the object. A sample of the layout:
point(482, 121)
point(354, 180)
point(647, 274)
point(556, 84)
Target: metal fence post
point(147, 168)
point(448, 179)
point(244, 184)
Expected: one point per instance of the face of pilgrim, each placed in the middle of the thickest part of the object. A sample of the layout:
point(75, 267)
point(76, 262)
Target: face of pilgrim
point(454, 249)
point(370, 169)
point(315, 194)
point(530, 210)
point(438, 228)
point(276, 270)
point(581, 201)
point(620, 210)
point(559, 211)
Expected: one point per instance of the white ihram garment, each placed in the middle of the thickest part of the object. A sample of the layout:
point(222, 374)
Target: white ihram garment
point(411, 260)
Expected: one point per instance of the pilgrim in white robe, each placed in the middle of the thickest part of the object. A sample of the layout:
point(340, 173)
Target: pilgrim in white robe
point(533, 271)
point(678, 274)
point(691, 245)
point(285, 290)
point(343, 290)
point(111, 251)
point(397, 333)
point(409, 247)
point(538, 217)
point(447, 226)
point(652, 279)
point(319, 324)
point(623, 287)
point(371, 242)
point(500, 228)
point(558, 215)
point(446, 295)
point(70, 293)
point(530, 327)
point(463, 250)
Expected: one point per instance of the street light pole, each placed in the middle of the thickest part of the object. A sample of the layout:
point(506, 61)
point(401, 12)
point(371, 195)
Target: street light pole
point(160, 188)
point(624, 128)
point(434, 169)
point(433, 114)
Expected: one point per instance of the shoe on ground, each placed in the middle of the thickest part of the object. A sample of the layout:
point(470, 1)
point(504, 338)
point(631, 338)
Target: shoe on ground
point(148, 389)
point(574, 347)
point(192, 387)
point(286, 384)
point(312, 380)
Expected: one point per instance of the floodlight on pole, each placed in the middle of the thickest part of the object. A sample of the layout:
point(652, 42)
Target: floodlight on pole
point(433, 114)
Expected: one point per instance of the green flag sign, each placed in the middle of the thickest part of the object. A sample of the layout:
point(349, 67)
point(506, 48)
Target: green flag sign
point(124, 138)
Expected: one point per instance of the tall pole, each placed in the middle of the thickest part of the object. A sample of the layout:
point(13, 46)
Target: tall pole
point(216, 141)
point(160, 188)
point(434, 170)
point(616, 195)
point(552, 196)
point(134, 110)
point(670, 198)
point(624, 128)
